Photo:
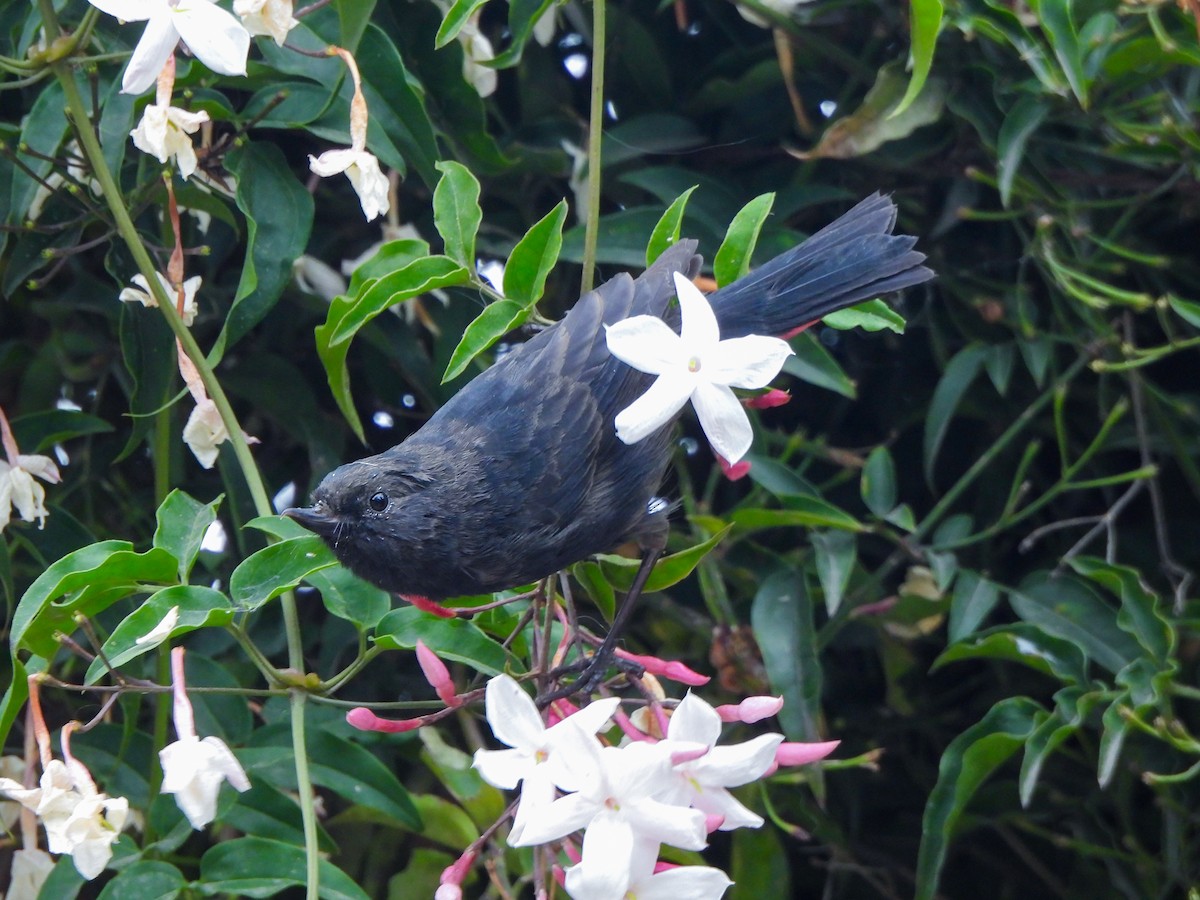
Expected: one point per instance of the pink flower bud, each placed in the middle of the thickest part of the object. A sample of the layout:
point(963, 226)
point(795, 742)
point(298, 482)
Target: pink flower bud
point(430, 606)
point(453, 875)
point(437, 675)
point(773, 397)
point(672, 669)
point(560, 709)
point(712, 822)
point(734, 471)
point(794, 753)
point(750, 710)
point(364, 720)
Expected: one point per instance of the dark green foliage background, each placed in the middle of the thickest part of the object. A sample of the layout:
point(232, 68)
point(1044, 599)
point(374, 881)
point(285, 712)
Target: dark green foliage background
point(1047, 379)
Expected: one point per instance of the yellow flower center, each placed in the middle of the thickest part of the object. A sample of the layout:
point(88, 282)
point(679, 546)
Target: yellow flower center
point(694, 364)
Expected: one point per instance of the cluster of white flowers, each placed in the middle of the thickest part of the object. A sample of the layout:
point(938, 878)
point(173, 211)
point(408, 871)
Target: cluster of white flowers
point(693, 365)
point(79, 820)
point(628, 800)
point(83, 822)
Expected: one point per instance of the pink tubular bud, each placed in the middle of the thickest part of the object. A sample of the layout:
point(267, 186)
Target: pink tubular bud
point(750, 710)
point(364, 720)
point(672, 669)
point(772, 398)
point(713, 822)
point(430, 606)
point(450, 887)
point(733, 471)
point(793, 753)
point(437, 675)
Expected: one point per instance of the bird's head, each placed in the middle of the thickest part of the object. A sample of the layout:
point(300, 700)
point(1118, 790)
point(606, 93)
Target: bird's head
point(364, 512)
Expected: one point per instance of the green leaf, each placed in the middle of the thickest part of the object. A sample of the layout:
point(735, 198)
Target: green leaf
point(1068, 608)
point(266, 574)
point(1140, 614)
point(589, 574)
point(878, 482)
point(265, 810)
point(812, 363)
point(1055, 18)
point(279, 216)
point(1072, 707)
point(926, 18)
point(148, 351)
point(733, 257)
point(534, 256)
point(455, 639)
point(784, 627)
point(522, 16)
point(496, 320)
point(1187, 310)
point(348, 597)
point(457, 16)
point(966, 764)
point(1018, 127)
point(257, 867)
point(347, 315)
point(199, 607)
point(880, 120)
point(620, 571)
point(145, 879)
point(456, 212)
point(802, 512)
point(874, 315)
point(760, 865)
point(91, 579)
point(341, 766)
point(37, 432)
point(1112, 739)
point(1024, 644)
point(182, 522)
point(960, 373)
point(41, 133)
point(974, 597)
point(666, 232)
point(353, 18)
point(835, 552)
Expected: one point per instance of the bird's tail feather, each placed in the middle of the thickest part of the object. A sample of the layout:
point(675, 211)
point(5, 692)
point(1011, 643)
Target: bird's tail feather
point(849, 261)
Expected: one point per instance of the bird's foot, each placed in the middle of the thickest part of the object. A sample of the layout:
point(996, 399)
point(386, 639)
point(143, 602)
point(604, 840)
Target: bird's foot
point(592, 671)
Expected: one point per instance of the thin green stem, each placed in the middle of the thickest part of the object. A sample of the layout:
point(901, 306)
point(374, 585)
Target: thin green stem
point(308, 811)
point(595, 137)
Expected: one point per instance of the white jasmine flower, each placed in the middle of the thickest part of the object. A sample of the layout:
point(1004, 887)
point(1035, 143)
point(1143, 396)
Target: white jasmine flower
point(205, 429)
point(534, 760)
point(617, 799)
point(163, 133)
point(19, 489)
point(216, 38)
point(361, 167)
point(79, 820)
point(30, 869)
point(477, 49)
point(142, 294)
point(644, 883)
point(193, 769)
point(12, 770)
point(782, 7)
point(545, 26)
point(703, 782)
point(313, 276)
point(162, 630)
point(270, 17)
point(694, 365)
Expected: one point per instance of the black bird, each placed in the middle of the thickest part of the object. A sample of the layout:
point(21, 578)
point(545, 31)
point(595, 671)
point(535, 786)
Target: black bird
point(521, 473)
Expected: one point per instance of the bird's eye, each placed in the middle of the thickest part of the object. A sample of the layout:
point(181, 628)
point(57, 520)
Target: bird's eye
point(378, 501)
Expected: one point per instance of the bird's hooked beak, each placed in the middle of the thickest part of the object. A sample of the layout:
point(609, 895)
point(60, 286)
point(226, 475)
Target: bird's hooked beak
point(315, 518)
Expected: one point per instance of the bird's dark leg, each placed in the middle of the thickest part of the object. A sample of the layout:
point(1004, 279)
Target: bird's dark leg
point(593, 672)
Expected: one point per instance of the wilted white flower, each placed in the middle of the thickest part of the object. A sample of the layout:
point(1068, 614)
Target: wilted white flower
point(142, 294)
point(19, 489)
point(271, 17)
point(205, 429)
point(193, 769)
point(782, 7)
point(163, 133)
point(216, 38)
point(694, 365)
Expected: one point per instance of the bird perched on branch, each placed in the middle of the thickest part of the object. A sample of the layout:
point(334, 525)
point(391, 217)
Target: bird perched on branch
point(523, 472)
